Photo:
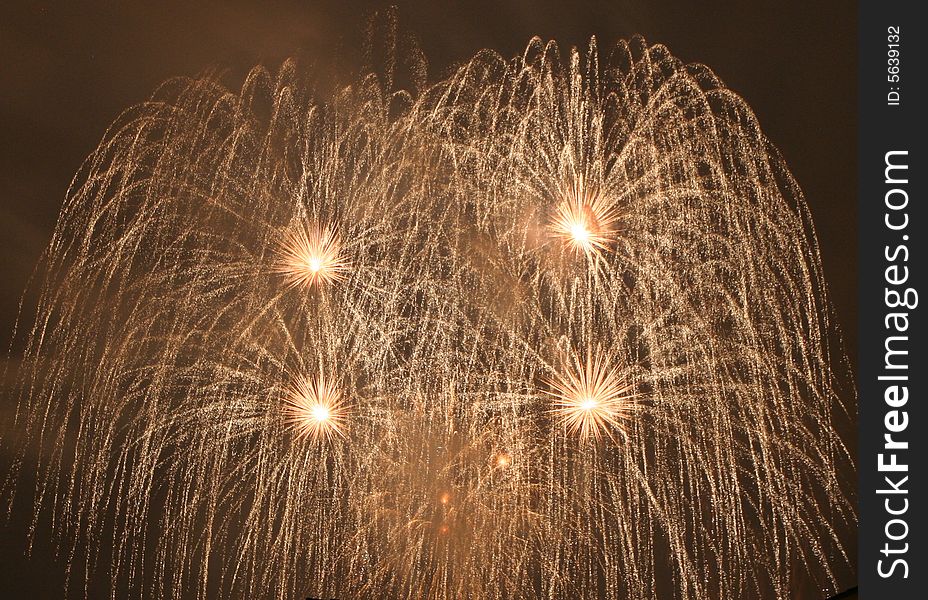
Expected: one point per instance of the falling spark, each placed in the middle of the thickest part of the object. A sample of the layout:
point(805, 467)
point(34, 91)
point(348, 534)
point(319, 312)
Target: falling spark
point(315, 408)
point(592, 398)
point(311, 257)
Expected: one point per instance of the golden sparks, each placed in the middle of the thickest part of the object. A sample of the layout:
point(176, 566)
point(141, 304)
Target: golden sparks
point(592, 398)
point(321, 312)
point(314, 408)
point(311, 256)
point(584, 220)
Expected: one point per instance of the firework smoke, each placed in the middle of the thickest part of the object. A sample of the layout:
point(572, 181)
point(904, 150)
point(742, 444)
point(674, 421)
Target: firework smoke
point(554, 327)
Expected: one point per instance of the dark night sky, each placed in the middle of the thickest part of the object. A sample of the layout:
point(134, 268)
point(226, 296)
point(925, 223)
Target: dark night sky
point(67, 69)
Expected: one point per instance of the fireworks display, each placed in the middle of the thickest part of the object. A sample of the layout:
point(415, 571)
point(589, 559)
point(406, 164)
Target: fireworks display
point(551, 327)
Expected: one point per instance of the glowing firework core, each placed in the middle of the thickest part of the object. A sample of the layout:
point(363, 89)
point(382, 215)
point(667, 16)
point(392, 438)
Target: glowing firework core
point(581, 235)
point(314, 408)
point(320, 413)
point(310, 257)
point(592, 398)
point(584, 220)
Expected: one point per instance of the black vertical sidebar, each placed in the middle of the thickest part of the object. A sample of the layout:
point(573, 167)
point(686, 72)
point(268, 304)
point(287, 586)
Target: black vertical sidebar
point(892, 370)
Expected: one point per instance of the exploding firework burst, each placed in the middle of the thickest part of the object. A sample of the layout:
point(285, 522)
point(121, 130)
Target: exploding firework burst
point(315, 408)
point(584, 221)
point(158, 381)
point(312, 257)
point(592, 398)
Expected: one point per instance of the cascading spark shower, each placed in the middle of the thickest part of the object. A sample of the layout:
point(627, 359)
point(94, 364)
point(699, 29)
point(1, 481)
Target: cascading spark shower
point(550, 327)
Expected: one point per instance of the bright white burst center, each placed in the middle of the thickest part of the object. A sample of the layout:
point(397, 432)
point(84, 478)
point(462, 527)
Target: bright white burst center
point(580, 233)
point(314, 264)
point(588, 404)
point(320, 413)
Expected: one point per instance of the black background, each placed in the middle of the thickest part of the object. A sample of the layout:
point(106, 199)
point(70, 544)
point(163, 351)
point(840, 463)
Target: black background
point(67, 69)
